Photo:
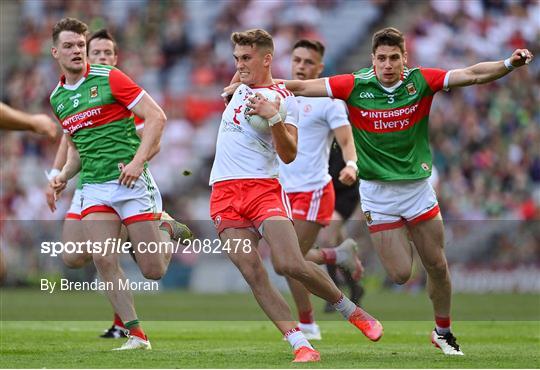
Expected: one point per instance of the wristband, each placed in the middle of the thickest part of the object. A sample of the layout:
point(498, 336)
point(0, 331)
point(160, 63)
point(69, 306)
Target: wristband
point(52, 173)
point(276, 118)
point(508, 64)
point(351, 163)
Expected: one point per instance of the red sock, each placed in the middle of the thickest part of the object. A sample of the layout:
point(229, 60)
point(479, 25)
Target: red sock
point(118, 321)
point(138, 332)
point(306, 317)
point(329, 256)
point(442, 324)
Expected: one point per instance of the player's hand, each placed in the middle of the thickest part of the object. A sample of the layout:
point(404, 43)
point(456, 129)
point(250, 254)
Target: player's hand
point(347, 175)
point(58, 184)
point(228, 92)
point(521, 57)
point(43, 125)
point(50, 198)
point(263, 107)
point(130, 173)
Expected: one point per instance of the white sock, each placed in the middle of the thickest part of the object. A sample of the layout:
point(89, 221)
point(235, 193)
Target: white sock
point(341, 256)
point(442, 331)
point(345, 306)
point(297, 339)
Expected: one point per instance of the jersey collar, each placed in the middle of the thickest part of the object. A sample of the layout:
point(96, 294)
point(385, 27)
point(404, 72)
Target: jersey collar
point(76, 86)
point(392, 88)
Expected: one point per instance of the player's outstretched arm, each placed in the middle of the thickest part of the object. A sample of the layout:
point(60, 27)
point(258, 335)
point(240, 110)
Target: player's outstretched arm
point(60, 160)
point(344, 138)
point(315, 87)
point(488, 71)
point(13, 119)
point(71, 168)
point(154, 123)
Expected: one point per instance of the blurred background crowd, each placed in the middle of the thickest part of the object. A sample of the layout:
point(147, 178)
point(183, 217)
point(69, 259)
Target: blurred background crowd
point(485, 139)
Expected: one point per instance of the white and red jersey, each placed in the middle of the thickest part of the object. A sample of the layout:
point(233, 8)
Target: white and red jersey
point(241, 151)
point(317, 118)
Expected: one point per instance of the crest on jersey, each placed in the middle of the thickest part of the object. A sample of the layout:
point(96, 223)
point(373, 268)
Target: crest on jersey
point(425, 166)
point(367, 214)
point(93, 92)
point(411, 89)
point(217, 221)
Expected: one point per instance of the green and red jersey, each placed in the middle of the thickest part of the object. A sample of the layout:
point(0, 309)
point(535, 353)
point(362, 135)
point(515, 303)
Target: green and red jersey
point(96, 113)
point(390, 126)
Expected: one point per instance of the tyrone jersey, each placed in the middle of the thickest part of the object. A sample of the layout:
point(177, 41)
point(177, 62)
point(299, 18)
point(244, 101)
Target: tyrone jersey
point(317, 118)
point(95, 112)
point(242, 152)
point(390, 128)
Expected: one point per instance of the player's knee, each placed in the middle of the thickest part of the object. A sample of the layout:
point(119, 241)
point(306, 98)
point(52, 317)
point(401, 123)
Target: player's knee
point(295, 271)
point(153, 271)
point(74, 261)
point(437, 270)
point(400, 277)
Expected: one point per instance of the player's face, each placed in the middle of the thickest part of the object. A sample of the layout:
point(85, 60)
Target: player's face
point(101, 51)
point(306, 64)
point(252, 64)
point(389, 62)
point(70, 52)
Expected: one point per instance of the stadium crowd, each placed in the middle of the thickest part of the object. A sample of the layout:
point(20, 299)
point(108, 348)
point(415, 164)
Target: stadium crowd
point(485, 138)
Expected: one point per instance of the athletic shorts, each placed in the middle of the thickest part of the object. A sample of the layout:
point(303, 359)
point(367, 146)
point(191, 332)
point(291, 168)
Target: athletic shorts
point(74, 211)
point(316, 206)
point(390, 205)
point(247, 203)
point(142, 203)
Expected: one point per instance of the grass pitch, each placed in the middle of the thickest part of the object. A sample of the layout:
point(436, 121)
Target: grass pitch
point(209, 343)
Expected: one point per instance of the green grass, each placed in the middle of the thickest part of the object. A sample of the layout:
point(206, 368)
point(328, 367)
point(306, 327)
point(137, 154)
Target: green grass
point(231, 343)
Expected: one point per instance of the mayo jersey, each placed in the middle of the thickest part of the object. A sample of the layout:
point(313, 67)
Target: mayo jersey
point(317, 118)
point(241, 151)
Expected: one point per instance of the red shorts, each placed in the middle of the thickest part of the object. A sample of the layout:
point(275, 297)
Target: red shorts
point(316, 206)
point(247, 203)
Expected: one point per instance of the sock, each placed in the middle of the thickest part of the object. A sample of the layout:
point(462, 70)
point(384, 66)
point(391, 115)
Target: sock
point(329, 256)
point(118, 321)
point(306, 317)
point(345, 306)
point(135, 329)
point(442, 325)
point(297, 339)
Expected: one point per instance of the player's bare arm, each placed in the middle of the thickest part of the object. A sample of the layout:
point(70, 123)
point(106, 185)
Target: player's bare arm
point(316, 87)
point(345, 140)
point(285, 136)
point(489, 71)
point(59, 162)
point(70, 169)
point(13, 119)
point(154, 123)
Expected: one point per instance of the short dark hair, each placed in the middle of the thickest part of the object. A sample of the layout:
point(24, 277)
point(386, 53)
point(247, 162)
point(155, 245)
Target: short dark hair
point(102, 34)
point(68, 24)
point(388, 36)
point(310, 44)
point(258, 37)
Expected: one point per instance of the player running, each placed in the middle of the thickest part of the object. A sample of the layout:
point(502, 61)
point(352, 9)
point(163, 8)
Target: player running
point(247, 201)
point(389, 106)
point(101, 49)
point(95, 105)
point(306, 180)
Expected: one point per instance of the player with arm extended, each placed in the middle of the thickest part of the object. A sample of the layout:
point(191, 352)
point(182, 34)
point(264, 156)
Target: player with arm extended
point(16, 120)
point(101, 49)
point(389, 106)
point(247, 201)
point(306, 180)
point(95, 105)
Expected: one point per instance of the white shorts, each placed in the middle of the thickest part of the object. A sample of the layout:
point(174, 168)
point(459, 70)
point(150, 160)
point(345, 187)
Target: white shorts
point(142, 203)
point(74, 211)
point(390, 205)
